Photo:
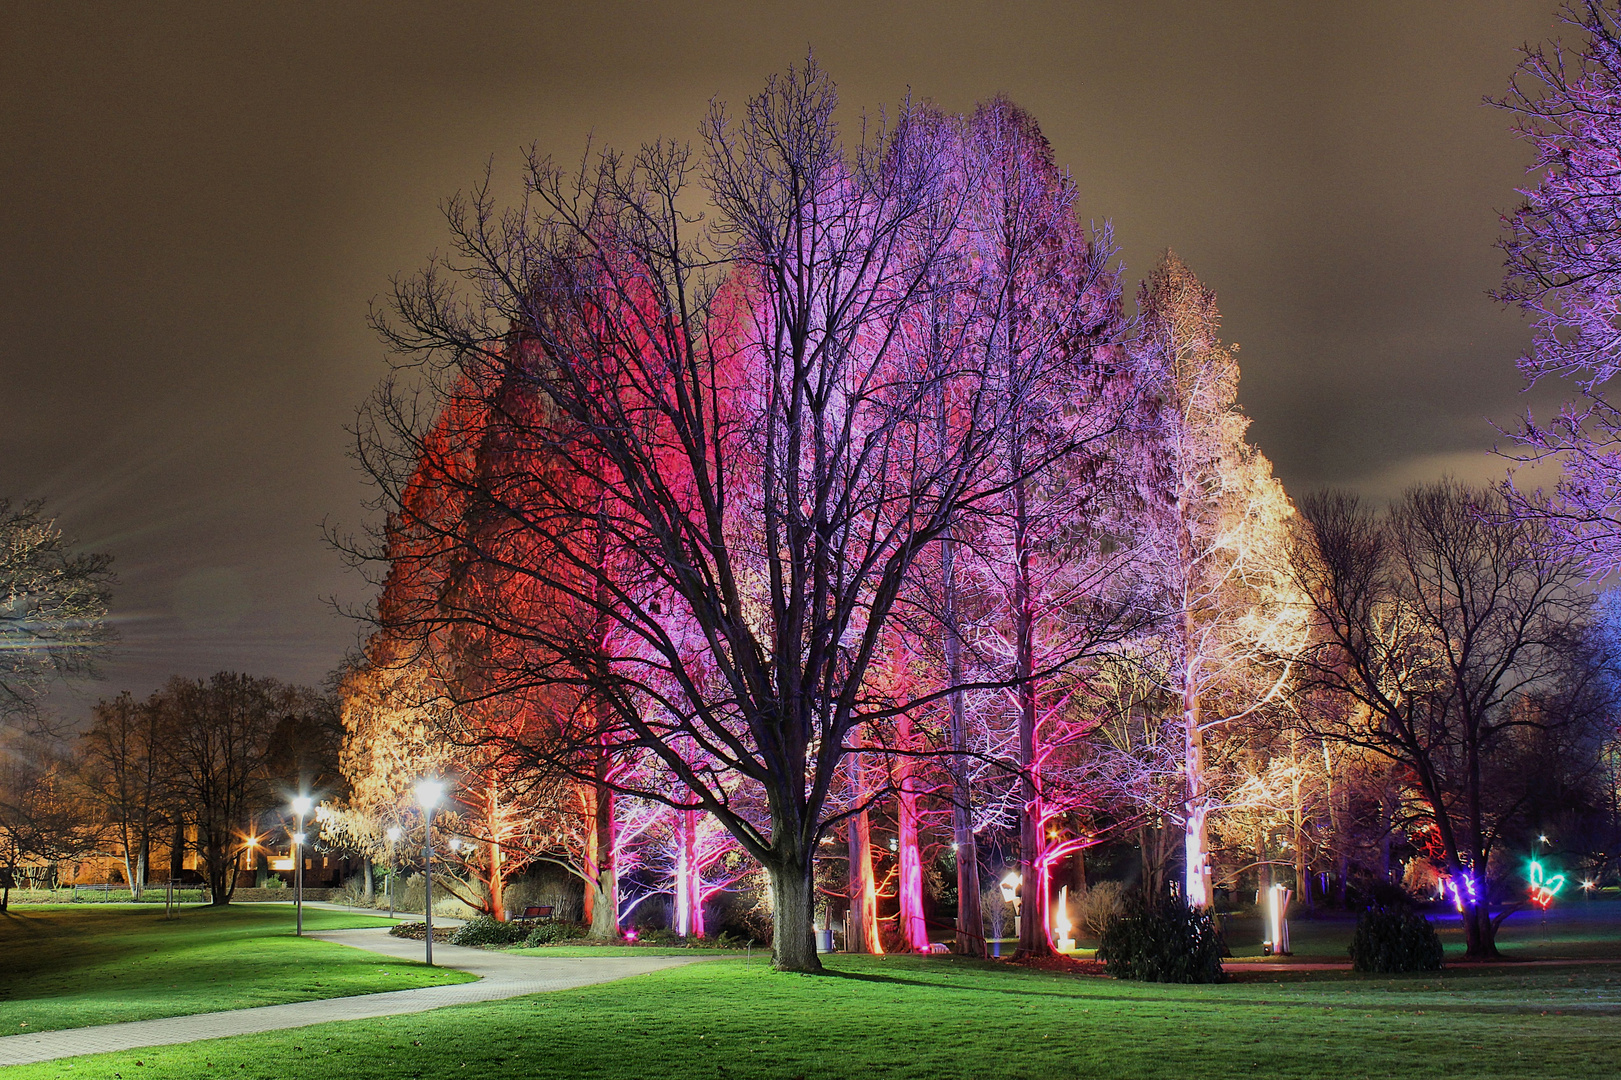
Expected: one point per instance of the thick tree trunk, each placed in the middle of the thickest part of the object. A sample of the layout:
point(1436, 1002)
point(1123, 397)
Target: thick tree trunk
point(914, 926)
point(602, 880)
point(690, 901)
point(367, 887)
point(970, 915)
point(1196, 837)
point(496, 871)
point(1480, 932)
point(218, 868)
point(1034, 929)
point(861, 929)
point(793, 900)
point(177, 851)
point(129, 870)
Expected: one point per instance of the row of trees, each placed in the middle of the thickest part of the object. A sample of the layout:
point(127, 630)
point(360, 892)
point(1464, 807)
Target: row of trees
point(200, 766)
point(862, 496)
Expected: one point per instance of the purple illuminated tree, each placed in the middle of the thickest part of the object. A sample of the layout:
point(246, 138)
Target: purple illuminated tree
point(1564, 268)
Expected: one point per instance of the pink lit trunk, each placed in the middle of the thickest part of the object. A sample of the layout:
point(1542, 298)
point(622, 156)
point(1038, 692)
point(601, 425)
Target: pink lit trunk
point(914, 928)
point(970, 918)
point(689, 883)
point(495, 879)
point(1034, 928)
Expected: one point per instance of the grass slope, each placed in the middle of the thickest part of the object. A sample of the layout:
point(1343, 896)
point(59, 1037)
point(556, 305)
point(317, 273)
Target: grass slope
point(929, 1018)
point(66, 967)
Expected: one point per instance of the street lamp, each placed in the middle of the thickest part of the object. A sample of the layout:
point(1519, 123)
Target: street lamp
point(429, 792)
point(393, 839)
point(301, 806)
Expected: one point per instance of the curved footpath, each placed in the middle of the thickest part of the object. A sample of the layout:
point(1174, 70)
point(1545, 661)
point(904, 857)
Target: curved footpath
point(500, 976)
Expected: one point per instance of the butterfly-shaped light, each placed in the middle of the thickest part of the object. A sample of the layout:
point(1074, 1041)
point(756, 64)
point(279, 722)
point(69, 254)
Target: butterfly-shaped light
point(1543, 887)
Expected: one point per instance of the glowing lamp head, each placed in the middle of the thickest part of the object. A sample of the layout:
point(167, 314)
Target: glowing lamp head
point(1589, 884)
point(429, 792)
point(393, 834)
point(298, 838)
point(302, 804)
point(1010, 887)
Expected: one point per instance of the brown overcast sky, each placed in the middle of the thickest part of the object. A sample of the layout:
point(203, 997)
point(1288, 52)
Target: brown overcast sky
point(198, 202)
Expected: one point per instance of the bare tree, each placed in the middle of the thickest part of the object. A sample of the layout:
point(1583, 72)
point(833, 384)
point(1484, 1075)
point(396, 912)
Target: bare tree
point(1447, 633)
point(217, 733)
point(53, 607)
point(42, 821)
point(125, 768)
point(764, 461)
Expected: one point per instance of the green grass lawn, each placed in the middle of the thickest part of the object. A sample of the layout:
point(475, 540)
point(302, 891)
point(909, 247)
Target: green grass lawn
point(65, 967)
point(929, 1018)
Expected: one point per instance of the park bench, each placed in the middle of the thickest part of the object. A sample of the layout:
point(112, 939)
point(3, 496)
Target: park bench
point(534, 914)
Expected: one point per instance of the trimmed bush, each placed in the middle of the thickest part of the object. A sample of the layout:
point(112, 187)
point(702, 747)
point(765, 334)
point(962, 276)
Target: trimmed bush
point(551, 933)
point(1162, 940)
point(483, 931)
point(1394, 938)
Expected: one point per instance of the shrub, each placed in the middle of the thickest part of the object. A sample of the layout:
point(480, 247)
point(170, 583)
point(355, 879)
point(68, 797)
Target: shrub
point(1393, 938)
point(1100, 905)
point(552, 932)
point(1162, 940)
point(661, 936)
point(484, 931)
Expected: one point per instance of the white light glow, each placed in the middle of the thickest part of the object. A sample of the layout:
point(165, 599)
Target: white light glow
point(302, 804)
point(429, 792)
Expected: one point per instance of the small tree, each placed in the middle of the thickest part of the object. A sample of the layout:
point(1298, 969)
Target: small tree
point(216, 733)
point(42, 819)
point(53, 607)
point(126, 769)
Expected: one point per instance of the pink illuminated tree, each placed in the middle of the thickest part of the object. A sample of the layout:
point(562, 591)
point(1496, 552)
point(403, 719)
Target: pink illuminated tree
point(1047, 321)
point(767, 458)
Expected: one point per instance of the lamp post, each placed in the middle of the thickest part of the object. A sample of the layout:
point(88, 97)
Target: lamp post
point(393, 840)
point(429, 792)
point(301, 806)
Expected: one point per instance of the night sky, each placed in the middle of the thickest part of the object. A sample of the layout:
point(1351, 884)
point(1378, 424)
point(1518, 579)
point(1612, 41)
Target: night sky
point(197, 206)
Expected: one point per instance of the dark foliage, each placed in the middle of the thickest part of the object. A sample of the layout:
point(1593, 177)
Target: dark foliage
point(483, 931)
point(550, 933)
point(1393, 938)
point(417, 931)
point(1162, 939)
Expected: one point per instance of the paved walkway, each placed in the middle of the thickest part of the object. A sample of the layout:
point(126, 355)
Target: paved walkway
point(500, 976)
point(1453, 965)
